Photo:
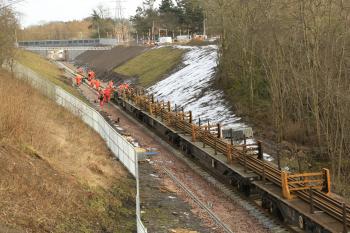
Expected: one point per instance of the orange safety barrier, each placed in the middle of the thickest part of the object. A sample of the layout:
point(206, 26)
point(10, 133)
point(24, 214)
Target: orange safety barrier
point(305, 181)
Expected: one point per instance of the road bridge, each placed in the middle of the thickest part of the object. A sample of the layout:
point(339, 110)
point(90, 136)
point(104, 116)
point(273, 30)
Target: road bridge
point(67, 49)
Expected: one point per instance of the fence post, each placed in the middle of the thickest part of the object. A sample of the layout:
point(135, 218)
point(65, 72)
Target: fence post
point(264, 172)
point(260, 151)
point(219, 130)
point(229, 152)
point(312, 211)
point(193, 133)
point(204, 134)
point(345, 224)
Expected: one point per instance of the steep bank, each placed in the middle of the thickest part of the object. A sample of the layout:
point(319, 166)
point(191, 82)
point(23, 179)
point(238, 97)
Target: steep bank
point(152, 65)
point(192, 87)
point(57, 175)
point(103, 62)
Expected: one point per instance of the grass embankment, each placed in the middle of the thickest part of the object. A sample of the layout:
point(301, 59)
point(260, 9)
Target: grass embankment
point(57, 174)
point(152, 65)
point(47, 70)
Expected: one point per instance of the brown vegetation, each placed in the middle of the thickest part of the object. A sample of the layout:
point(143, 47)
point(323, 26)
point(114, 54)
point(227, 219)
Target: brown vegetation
point(290, 60)
point(56, 173)
point(8, 25)
point(57, 31)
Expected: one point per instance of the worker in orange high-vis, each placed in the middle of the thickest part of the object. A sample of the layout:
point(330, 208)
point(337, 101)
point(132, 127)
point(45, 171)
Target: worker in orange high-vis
point(92, 83)
point(89, 76)
point(80, 70)
point(101, 97)
point(78, 79)
point(97, 84)
point(110, 84)
point(107, 94)
point(93, 75)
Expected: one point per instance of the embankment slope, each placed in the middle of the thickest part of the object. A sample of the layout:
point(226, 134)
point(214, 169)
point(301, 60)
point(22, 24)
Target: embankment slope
point(105, 61)
point(56, 174)
point(152, 65)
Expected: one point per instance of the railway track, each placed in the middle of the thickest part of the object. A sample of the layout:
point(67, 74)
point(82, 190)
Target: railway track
point(212, 215)
point(248, 156)
point(242, 154)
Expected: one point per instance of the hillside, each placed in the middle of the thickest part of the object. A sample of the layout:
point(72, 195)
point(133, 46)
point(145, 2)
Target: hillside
point(47, 70)
point(57, 175)
point(103, 62)
point(152, 65)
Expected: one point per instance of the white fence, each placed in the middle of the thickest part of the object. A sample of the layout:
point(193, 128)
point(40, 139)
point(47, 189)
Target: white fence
point(120, 147)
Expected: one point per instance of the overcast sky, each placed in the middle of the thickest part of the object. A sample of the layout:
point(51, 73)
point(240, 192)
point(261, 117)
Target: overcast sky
point(39, 11)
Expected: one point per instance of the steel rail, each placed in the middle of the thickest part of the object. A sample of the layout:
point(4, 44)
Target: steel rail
point(212, 215)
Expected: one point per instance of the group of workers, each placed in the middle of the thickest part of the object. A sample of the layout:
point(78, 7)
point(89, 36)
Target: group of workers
point(104, 94)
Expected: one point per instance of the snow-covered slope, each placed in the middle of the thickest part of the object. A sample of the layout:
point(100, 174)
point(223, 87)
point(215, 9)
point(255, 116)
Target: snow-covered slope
point(190, 87)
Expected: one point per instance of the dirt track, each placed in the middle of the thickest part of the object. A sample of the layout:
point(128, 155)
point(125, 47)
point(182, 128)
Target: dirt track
point(103, 62)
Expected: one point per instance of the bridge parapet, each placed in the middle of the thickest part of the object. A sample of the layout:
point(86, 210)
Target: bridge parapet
point(69, 43)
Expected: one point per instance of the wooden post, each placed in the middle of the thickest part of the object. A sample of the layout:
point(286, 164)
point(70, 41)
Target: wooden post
point(215, 148)
point(208, 127)
point(245, 156)
point(228, 152)
point(190, 120)
point(176, 116)
point(219, 130)
point(169, 106)
point(260, 151)
point(150, 108)
point(231, 136)
point(152, 97)
point(199, 121)
point(193, 133)
point(345, 225)
point(203, 139)
point(284, 183)
point(264, 172)
point(312, 211)
point(327, 177)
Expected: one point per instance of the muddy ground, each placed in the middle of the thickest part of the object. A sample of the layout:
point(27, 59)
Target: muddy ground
point(103, 62)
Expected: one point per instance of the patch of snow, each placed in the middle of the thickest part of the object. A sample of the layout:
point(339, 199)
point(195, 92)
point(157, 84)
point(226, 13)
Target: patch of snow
point(190, 87)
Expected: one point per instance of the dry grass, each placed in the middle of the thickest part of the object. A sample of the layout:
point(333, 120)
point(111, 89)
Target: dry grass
point(48, 70)
point(56, 173)
point(152, 65)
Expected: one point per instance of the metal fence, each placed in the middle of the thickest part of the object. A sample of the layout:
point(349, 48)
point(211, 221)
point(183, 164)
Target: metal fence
point(120, 147)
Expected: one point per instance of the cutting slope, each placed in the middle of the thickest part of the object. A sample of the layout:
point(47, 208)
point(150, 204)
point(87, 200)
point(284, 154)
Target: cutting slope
point(105, 61)
point(46, 69)
point(152, 65)
point(191, 87)
point(56, 174)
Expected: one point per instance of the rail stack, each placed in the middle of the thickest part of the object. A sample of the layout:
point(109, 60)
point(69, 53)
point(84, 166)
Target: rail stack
point(312, 188)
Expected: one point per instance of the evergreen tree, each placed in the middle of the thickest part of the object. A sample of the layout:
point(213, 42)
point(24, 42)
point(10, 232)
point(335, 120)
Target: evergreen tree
point(166, 6)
